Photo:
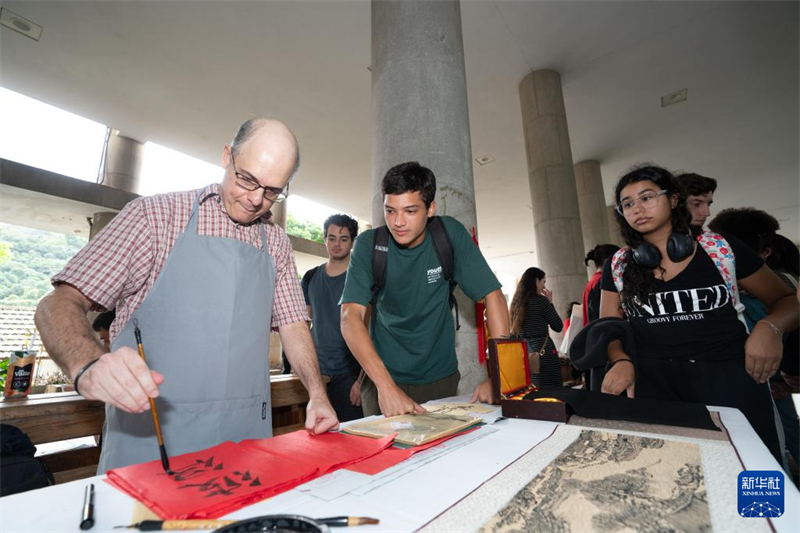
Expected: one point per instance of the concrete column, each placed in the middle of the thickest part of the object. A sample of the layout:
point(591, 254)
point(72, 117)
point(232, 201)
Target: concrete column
point(592, 205)
point(280, 211)
point(419, 113)
point(99, 221)
point(275, 352)
point(556, 215)
point(613, 227)
point(121, 169)
point(123, 163)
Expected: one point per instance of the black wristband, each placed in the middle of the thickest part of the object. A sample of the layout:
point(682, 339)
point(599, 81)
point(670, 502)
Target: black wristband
point(618, 361)
point(81, 371)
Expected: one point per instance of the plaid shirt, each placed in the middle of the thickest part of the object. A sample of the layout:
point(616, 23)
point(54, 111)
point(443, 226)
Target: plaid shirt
point(120, 265)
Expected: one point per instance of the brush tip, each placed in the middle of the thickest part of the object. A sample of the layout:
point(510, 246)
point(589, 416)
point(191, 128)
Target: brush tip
point(363, 521)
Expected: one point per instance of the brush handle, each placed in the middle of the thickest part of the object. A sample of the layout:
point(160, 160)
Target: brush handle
point(152, 402)
point(156, 422)
point(181, 525)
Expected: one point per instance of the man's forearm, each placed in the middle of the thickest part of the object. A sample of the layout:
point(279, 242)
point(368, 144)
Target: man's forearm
point(497, 314)
point(299, 348)
point(354, 331)
point(66, 334)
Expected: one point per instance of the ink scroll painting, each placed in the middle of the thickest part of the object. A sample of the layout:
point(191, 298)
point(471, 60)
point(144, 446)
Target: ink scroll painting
point(611, 482)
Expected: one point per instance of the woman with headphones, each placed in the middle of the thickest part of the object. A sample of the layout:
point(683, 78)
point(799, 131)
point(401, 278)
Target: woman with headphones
point(678, 288)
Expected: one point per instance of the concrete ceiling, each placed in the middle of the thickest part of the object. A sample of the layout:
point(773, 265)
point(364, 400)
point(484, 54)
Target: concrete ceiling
point(184, 74)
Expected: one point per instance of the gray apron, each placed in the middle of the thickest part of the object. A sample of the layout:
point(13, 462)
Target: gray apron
point(205, 326)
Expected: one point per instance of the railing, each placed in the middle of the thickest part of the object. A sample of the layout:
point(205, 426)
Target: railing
point(63, 416)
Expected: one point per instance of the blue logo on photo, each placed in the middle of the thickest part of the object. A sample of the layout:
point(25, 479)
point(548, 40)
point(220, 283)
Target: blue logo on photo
point(761, 494)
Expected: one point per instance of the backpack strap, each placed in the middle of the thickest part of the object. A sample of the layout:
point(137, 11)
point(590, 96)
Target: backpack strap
point(444, 252)
point(721, 253)
point(380, 259)
point(618, 263)
point(442, 246)
point(308, 276)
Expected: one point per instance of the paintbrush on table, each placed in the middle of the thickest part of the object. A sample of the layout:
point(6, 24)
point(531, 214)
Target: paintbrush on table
point(188, 525)
point(161, 448)
point(348, 521)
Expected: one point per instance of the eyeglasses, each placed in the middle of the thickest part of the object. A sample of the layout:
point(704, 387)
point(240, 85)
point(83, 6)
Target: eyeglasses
point(273, 194)
point(648, 201)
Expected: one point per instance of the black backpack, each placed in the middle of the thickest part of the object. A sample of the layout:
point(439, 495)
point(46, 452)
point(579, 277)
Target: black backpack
point(380, 255)
point(310, 274)
point(20, 471)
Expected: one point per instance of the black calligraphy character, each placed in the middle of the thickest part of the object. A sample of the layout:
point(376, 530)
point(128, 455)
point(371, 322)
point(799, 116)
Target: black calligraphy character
point(200, 467)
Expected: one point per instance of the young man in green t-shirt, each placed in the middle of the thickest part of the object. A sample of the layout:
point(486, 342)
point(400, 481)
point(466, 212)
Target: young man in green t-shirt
point(410, 357)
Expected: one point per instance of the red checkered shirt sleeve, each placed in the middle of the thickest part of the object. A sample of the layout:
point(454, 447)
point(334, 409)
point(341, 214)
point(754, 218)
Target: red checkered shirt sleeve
point(289, 304)
point(116, 263)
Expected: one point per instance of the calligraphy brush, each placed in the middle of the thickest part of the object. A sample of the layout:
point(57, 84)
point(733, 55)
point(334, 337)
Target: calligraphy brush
point(184, 525)
point(161, 448)
point(347, 521)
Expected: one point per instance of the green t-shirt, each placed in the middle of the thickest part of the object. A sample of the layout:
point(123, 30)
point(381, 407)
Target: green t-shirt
point(414, 333)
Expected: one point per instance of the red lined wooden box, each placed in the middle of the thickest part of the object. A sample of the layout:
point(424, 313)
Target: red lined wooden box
point(509, 370)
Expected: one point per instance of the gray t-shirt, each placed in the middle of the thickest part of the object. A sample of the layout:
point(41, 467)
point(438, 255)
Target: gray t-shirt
point(322, 294)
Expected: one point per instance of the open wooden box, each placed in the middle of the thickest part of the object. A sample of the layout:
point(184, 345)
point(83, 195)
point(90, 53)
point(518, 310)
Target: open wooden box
point(509, 370)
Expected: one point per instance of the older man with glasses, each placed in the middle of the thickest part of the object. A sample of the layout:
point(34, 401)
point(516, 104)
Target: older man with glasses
point(206, 274)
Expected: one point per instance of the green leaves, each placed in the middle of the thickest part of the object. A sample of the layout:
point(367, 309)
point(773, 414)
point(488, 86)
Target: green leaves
point(3, 371)
point(28, 258)
point(304, 229)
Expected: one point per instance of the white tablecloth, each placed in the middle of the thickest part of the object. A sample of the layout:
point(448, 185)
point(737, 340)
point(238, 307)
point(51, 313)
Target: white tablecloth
point(428, 495)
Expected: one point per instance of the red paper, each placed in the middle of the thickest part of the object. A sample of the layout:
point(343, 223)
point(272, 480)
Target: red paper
point(392, 456)
point(328, 452)
point(217, 481)
point(210, 483)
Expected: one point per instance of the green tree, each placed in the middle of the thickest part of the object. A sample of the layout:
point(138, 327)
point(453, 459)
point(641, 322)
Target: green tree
point(305, 229)
point(28, 259)
point(5, 252)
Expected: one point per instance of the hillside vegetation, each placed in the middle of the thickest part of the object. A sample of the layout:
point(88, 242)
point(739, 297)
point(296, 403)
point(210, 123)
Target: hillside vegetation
point(28, 258)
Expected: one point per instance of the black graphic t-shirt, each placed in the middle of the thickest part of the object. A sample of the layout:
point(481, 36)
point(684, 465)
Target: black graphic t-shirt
point(691, 316)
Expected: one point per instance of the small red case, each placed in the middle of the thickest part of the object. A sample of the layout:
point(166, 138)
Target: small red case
point(509, 370)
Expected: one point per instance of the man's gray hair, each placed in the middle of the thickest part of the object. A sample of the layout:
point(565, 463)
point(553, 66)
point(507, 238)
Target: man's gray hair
point(246, 131)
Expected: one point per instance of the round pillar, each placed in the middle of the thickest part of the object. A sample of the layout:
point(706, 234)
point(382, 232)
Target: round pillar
point(419, 113)
point(99, 221)
point(556, 213)
point(123, 163)
point(592, 206)
point(613, 227)
point(280, 211)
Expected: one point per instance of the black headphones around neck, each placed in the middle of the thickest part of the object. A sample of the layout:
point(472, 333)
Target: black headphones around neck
point(679, 247)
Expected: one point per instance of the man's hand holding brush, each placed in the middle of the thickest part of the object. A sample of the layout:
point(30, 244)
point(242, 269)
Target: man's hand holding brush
point(120, 378)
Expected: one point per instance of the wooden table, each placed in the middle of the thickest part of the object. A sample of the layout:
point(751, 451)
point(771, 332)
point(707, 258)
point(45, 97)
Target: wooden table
point(63, 416)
